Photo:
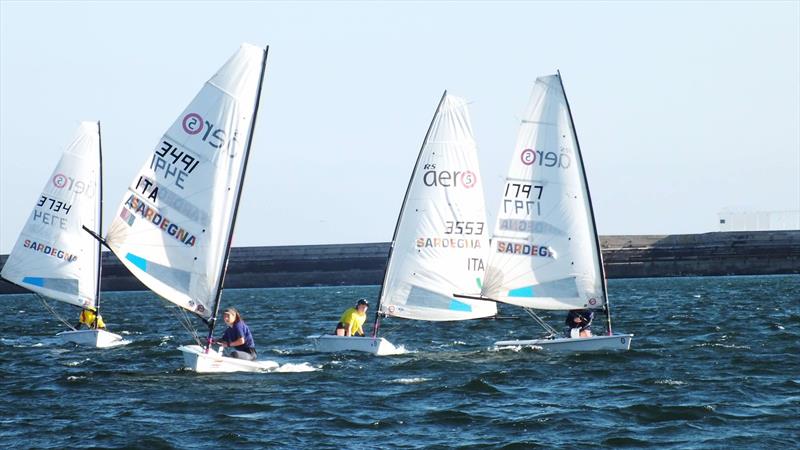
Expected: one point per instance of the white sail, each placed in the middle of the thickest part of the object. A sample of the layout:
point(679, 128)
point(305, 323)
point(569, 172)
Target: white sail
point(53, 255)
point(172, 227)
point(544, 247)
point(441, 238)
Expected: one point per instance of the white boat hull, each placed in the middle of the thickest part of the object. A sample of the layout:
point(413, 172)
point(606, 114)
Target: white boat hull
point(195, 358)
point(92, 338)
point(329, 343)
point(587, 344)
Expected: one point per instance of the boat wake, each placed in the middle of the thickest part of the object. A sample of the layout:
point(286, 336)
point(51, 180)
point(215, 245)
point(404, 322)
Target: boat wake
point(515, 348)
point(296, 367)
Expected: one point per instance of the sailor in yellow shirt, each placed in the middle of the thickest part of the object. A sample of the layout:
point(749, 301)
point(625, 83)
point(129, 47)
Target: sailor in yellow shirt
point(353, 319)
point(87, 318)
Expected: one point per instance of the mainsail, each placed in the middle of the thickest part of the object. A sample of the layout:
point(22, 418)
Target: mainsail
point(173, 227)
point(440, 241)
point(545, 252)
point(53, 256)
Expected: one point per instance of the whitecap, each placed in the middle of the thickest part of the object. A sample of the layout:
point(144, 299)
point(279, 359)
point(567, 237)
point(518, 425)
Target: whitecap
point(414, 380)
point(77, 363)
point(669, 382)
point(715, 344)
point(165, 340)
point(75, 378)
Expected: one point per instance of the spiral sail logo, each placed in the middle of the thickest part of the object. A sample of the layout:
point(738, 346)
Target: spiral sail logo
point(528, 156)
point(192, 123)
point(546, 158)
point(468, 179)
point(59, 180)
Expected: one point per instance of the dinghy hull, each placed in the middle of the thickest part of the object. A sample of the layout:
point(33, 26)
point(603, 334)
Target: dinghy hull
point(590, 344)
point(92, 338)
point(329, 343)
point(196, 359)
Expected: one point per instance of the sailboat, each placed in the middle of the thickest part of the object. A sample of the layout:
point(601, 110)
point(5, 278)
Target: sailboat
point(174, 227)
point(53, 257)
point(440, 239)
point(545, 250)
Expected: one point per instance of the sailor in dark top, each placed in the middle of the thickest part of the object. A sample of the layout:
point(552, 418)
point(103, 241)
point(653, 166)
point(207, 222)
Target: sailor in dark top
point(580, 320)
point(237, 337)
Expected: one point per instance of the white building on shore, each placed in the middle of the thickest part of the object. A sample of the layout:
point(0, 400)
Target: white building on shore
point(749, 220)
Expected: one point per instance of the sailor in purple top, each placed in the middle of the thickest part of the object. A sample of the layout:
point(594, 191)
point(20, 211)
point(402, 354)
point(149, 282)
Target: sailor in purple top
point(237, 337)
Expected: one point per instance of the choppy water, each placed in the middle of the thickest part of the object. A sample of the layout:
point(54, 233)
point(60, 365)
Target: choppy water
point(715, 363)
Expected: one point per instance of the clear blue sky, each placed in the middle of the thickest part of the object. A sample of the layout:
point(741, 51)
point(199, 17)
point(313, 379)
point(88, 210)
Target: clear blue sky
point(682, 108)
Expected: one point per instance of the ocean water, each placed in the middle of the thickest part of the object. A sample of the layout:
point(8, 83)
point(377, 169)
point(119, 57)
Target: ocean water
point(715, 363)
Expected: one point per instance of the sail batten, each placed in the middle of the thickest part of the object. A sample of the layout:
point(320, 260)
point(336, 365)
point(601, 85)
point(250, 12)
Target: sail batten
point(176, 217)
point(544, 245)
point(53, 256)
point(440, 241)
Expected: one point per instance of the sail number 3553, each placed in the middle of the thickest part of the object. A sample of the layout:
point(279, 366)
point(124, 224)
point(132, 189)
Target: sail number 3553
point(457, 227)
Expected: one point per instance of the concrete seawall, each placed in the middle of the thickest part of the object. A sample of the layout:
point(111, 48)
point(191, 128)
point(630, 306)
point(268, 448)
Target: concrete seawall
point(722, 253)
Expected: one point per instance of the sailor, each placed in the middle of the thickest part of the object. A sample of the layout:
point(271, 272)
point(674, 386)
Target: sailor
point(353, 319)
point(578, 323)
point(237, 338)
point(87, 318)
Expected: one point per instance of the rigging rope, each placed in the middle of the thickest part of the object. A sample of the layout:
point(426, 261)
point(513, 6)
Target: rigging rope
point(548, 328)
point(186, 321)
point(54, 313)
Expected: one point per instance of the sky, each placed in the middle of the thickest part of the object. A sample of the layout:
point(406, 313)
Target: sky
point(681, 108)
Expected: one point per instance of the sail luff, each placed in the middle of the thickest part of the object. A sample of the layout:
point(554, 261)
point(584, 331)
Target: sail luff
point(599, 253)
point(251, 132)
point(402, 209)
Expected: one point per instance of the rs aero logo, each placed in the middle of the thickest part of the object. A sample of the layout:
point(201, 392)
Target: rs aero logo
point(61, 181)
point(540, 158)
point(449, 178)
point(194, 124)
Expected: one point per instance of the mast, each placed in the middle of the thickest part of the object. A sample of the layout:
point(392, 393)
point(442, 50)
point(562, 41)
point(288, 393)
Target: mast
point(99, 228)
point(213, 320)
point(591, 208)
point(400, 215)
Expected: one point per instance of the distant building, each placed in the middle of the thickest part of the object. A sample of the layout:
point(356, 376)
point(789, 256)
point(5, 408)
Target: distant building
point(737, 220)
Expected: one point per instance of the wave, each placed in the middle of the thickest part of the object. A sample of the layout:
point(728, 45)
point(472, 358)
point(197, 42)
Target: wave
point(76, 363)
point(414, 380)
point(654, 413)
point(670, 382)
point(718, 345)
point(478, 386)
